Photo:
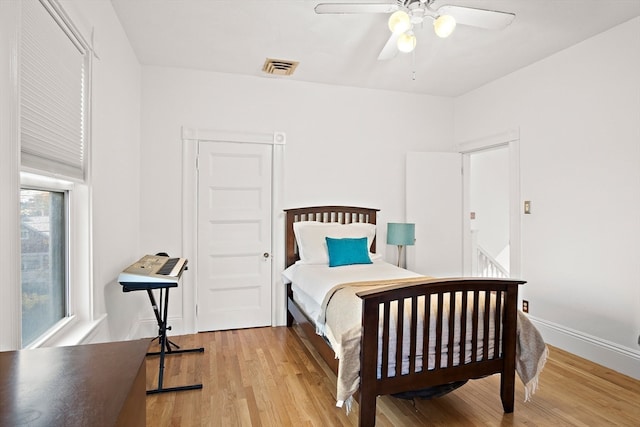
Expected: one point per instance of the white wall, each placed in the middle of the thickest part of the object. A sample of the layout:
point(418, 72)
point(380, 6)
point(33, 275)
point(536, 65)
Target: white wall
point(115, 159)
point(344, 145)
point(579, 117)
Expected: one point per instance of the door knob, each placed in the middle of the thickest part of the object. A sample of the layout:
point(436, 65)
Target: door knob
point(266, 254)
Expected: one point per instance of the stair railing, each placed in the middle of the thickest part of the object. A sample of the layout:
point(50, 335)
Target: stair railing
point(489, 266)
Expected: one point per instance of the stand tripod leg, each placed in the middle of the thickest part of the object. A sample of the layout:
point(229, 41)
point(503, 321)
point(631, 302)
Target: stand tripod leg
point(163, 336)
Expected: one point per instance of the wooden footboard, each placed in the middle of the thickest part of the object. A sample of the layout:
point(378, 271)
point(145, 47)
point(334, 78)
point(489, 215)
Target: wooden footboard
point(500, 316)
point(489, 306)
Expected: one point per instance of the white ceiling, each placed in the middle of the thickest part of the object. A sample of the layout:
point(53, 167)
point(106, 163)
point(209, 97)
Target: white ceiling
point(236, 36)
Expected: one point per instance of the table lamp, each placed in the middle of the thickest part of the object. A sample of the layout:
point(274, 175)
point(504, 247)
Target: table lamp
point(401, 235)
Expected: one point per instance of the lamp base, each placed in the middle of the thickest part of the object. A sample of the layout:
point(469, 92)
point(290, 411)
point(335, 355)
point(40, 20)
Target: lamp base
point(400, 254)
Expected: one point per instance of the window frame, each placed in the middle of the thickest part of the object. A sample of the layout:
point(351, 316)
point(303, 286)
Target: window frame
point(32, 181)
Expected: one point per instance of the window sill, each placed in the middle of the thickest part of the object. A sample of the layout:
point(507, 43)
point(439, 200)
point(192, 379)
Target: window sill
point(70, 331)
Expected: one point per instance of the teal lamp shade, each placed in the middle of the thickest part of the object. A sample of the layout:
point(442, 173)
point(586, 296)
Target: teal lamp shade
point(401, 234)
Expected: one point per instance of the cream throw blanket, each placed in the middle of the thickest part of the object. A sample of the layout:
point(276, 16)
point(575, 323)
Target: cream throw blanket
point(342, 316)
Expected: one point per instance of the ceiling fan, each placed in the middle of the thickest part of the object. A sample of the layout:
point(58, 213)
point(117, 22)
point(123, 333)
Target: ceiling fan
point(405, 15)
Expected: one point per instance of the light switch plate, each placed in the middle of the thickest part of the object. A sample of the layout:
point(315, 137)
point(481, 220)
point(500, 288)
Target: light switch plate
point(527, 207)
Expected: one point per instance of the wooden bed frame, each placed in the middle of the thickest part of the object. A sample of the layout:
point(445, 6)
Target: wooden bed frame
point(503, 315)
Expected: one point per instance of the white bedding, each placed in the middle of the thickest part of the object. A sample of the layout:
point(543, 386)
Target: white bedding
point(313, 281)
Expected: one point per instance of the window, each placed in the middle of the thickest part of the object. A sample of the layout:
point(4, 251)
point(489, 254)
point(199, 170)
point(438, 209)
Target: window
point(54, 99)
point(43, 222)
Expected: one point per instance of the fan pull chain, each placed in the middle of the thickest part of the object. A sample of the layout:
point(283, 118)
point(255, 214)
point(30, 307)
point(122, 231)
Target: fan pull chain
point(413, 65)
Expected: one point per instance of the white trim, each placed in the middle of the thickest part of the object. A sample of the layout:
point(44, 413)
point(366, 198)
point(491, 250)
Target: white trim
point(515, 218)
point(190, 138)
point(274, 138)
point(490, 141)
point(614, 356)
point(66, 23)
point(10, 295)
point(510, 139)
point(278, 297)
point(189, 230)
point(467, 234)
point(28, 179)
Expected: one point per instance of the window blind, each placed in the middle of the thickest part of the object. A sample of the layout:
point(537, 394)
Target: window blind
point(52, 93)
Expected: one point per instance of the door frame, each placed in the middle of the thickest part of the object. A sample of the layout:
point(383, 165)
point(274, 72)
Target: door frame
point(511, 140)
point(190, 139)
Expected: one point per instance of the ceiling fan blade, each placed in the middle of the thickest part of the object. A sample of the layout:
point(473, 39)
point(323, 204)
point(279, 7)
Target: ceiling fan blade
point(322, 8)
point(482, 18)
point(390, 49)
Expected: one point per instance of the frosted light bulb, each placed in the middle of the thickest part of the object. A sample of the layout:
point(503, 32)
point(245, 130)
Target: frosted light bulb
point(406, 42)
point(444, 25)
point(399, 22)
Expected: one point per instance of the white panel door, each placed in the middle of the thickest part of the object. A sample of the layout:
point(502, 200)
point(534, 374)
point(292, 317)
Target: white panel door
point(234, 235)
point(434, 204)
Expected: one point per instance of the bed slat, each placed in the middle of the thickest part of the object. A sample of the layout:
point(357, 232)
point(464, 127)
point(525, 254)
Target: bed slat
point(384, 366)
point(438, 349)
point(399, 336)
point(426, 331)
point(485, 330)
point(498, 325)
point(474, 325)
point(452, 327)
point(413, 335)
point(463, 327)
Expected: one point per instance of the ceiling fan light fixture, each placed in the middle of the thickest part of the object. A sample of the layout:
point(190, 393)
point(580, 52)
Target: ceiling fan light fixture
point(399, 22)
point(444, 25)
point(407, 42)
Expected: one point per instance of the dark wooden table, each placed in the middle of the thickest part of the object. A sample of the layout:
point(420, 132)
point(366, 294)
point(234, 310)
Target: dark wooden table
point(85, 385)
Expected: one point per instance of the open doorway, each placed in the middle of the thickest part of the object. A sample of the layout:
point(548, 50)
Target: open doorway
point(491, 206)
point(489, 212)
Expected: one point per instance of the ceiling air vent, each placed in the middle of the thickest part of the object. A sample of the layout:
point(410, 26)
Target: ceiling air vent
point(279, 67)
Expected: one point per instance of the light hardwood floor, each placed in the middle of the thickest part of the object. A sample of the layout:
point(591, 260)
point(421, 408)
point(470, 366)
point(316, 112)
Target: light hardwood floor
point(270, 377)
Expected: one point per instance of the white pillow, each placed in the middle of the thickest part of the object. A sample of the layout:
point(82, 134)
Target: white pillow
point(312, 245)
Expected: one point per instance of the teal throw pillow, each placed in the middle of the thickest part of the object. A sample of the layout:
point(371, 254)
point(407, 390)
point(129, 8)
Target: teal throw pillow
point(347, 251)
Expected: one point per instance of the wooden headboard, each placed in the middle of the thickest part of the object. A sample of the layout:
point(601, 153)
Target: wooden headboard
point(340, 214)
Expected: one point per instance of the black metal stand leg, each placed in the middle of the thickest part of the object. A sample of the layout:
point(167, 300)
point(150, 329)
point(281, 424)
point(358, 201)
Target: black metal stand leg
point(162, 326)
point(165, 344)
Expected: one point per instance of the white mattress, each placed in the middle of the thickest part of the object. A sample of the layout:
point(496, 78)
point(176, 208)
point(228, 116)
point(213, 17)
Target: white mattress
point(307, 304)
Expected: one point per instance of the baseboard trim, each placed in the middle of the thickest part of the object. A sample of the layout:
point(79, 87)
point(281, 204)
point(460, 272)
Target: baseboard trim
point(606, 353)
point(148, 328)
